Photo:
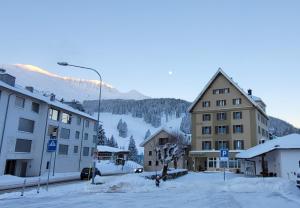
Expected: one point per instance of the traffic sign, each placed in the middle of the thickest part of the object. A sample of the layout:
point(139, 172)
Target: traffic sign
point(224, 153)
point(52, 144)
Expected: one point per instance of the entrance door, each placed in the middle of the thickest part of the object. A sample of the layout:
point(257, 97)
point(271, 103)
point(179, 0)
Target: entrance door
point(10, 167)
point(23, 169)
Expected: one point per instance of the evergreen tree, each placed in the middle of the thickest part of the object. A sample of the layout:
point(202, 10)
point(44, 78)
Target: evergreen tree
point(123, 130)
point(133, 152)
point(148, 133)
point(112, 142)
point(102, 140)
point(119, 124)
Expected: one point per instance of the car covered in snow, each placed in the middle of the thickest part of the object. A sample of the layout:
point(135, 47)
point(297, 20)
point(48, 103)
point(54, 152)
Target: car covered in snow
point(138, 170)
point(87, 173)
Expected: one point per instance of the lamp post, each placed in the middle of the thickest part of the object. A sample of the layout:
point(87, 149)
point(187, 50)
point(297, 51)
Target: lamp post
point(99, 105)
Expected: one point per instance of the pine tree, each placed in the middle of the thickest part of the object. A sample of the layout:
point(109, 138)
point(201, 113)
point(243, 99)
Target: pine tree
point(133, 152)
point(148, 133)
point(123, 130)
point(101, 136)
point(119, 124)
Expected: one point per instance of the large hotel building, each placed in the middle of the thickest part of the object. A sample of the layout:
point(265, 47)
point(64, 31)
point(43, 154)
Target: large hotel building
point(224, 116)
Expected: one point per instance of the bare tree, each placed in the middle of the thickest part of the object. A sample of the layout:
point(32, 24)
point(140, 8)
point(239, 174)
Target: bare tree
point(171, 151)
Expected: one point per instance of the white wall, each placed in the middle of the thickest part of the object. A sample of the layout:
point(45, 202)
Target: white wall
point(289, 163)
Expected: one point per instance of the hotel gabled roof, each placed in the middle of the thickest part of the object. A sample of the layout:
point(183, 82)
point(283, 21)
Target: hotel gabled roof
point(220, 71)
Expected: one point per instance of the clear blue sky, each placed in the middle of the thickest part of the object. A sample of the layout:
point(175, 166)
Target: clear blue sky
point(136, 44)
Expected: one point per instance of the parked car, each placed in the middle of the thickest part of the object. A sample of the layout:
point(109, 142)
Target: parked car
point(87, 173)
point(298, 179)
point(138, 170)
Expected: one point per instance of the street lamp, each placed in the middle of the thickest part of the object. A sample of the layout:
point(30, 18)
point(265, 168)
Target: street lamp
point(99, 104)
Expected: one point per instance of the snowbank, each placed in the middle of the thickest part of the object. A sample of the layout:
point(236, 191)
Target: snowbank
point(107, 167)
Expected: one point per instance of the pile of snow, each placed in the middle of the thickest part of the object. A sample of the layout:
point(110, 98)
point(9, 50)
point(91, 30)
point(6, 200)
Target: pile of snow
point(108, 167)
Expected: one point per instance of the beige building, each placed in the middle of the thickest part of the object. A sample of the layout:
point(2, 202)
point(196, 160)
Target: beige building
point(160, 138)
point(224, 116)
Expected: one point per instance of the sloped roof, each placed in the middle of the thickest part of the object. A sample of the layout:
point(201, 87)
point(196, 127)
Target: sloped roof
point(103, 148)
point(291, 141)
point(154, 135)
point(45, 99)
point(220, 71)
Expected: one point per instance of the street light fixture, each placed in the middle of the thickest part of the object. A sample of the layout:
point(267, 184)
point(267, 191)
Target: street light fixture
point(99, 105)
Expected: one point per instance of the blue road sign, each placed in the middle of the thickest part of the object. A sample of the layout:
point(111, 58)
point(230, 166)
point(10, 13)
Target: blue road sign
point(52, 144)
point(224, 153)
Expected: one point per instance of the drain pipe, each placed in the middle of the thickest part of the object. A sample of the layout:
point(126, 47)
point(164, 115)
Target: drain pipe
point(5, 118)
point(45, 133)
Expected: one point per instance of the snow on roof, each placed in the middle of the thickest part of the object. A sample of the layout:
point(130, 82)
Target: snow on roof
point(154, 135)
point(103, 148)
point(291, 141)
point(45, 99)
point(220, 71)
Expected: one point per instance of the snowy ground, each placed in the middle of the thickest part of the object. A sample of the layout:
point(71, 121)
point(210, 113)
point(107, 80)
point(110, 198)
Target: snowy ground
point(107, 167)
point(192, 190)
point(136, 127)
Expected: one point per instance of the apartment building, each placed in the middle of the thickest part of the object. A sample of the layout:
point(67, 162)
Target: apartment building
point(224, 116)
point(28, 120)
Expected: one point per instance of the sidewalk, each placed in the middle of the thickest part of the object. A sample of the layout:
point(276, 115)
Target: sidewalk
point(12, 182)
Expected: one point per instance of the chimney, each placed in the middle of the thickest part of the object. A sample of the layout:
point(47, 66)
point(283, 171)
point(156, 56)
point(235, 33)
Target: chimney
point(250, 92)
point(29, 88)
point(52, 97)
point(7, 78)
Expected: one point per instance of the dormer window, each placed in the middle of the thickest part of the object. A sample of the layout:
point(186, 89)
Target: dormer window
point(237, 101)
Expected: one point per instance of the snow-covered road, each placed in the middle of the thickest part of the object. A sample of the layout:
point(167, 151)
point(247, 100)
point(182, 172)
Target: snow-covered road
point(193, 190)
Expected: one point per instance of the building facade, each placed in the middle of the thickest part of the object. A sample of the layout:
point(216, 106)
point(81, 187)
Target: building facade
point(160, 138)
point(279, 157)
point(28, 120)
point(225, 117)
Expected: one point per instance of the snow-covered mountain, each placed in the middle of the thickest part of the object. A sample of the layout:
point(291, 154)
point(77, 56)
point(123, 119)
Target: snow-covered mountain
point(66, 87)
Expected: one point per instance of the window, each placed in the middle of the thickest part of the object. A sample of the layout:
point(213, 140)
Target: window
point(206, 104)
point(238, 144)
point(149, 163)
point(206, 117)
point(222, 129)
point(66, 118)
point(94, 139)
point(85, 151)
point(163, 141)
point(157, 163)
point(52, 131)
point(206, 130)
point(65, 133)
point(23, 145)
point(95, 126)
point(63, 149)
point(237, 101)
point(77, 135)
point(26, 125)
point(221, 116)
point(221, 102)
point(86, 136)
point(35, 107)
point(238, 129)
point(53, 114)
point(237, 115)
point(75, 150)
point(78, 120)
point(20, 102)
point(212, 162)
point(221, 145)
point(259, 130)
point(87, 123)
point(206, 145)
point(150, 153)
point(221, 91)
